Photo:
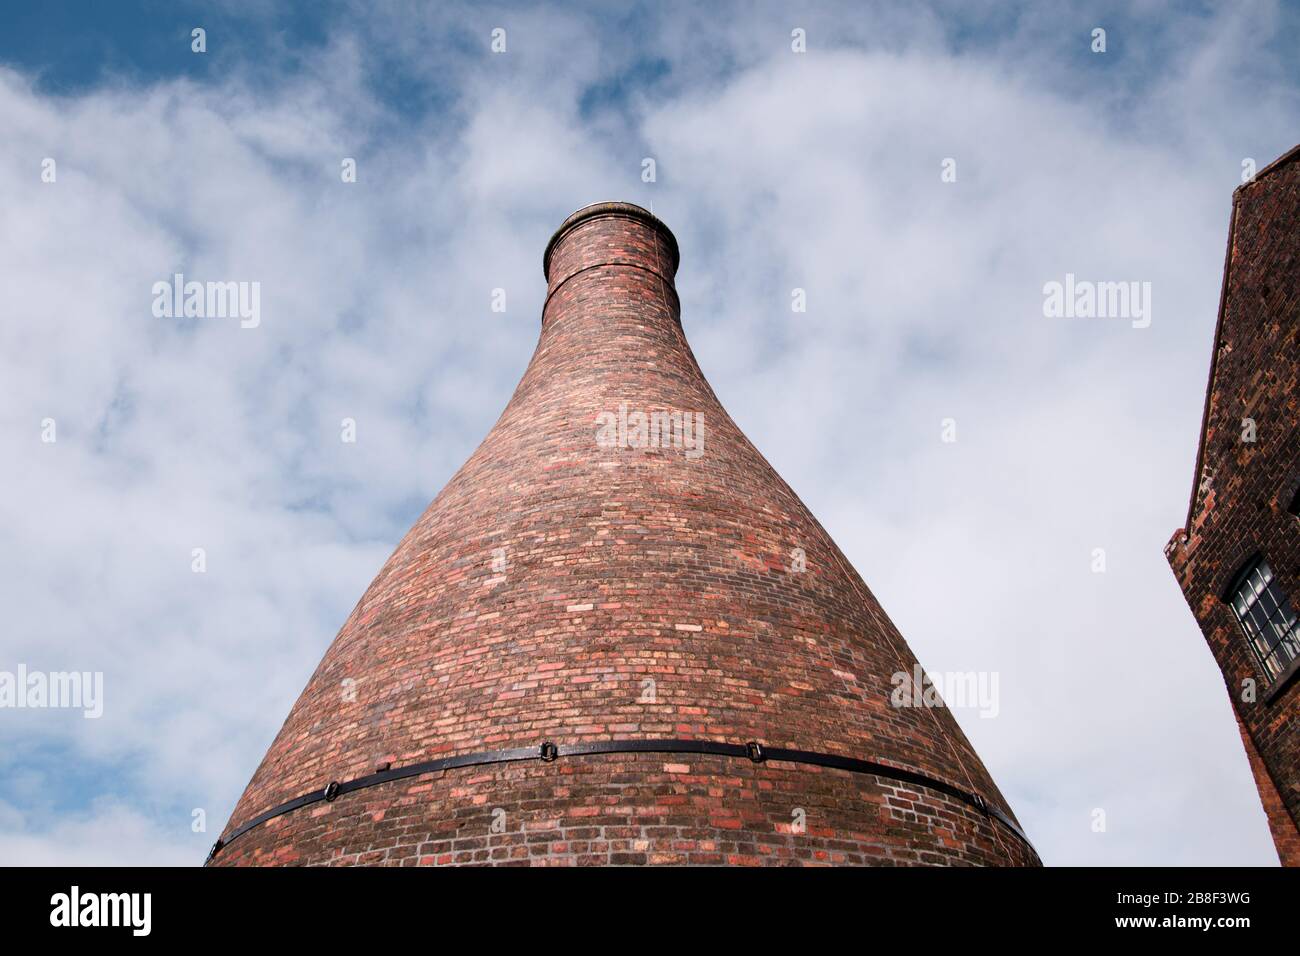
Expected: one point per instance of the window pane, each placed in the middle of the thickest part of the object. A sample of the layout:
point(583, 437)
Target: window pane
point(1289, 650)
point(1258, 583)
point(1267, 619)
point(1258, 620)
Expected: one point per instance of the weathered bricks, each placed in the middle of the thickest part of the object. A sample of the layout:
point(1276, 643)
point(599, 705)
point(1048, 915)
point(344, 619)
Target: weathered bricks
point(563, 589)
point(1243, 489)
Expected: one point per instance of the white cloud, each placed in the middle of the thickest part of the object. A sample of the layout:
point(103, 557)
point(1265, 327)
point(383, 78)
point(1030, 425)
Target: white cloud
point(108, 834)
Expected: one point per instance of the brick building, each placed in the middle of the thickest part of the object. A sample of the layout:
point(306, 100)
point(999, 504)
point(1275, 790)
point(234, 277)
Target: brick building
point(1238, 558)
point(617, 636)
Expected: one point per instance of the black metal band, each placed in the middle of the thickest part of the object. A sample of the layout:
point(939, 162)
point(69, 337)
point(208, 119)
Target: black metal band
point(550, 751)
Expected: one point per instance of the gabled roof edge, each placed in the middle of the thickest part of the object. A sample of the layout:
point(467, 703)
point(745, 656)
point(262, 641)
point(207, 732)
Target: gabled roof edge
point(1289, 156)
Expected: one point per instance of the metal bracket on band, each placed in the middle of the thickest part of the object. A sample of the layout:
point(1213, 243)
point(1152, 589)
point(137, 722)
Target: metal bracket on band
point(548, 752)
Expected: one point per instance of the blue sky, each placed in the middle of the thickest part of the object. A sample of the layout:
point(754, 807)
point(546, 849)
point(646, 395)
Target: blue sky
point(775, 170)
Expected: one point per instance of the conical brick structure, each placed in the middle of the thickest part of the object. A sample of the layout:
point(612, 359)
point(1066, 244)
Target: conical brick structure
point(617, 636)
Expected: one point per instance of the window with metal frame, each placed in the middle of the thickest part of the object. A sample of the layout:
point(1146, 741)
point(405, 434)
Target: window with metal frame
point(1266, 617)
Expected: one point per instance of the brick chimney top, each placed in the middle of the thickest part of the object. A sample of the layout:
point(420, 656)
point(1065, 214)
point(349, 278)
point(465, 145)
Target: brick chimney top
point(666, 264)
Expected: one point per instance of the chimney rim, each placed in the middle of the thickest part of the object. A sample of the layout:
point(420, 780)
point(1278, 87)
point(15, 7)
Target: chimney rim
point(610, 209)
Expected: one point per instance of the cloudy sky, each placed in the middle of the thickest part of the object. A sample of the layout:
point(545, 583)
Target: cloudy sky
point(776, 170)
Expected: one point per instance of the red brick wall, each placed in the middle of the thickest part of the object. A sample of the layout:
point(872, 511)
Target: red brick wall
point(1243, 489)
point(624, 564)
point(1285, 835)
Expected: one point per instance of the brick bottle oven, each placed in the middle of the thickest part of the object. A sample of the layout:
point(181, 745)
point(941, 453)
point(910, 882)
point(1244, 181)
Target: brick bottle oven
point(617, 636)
